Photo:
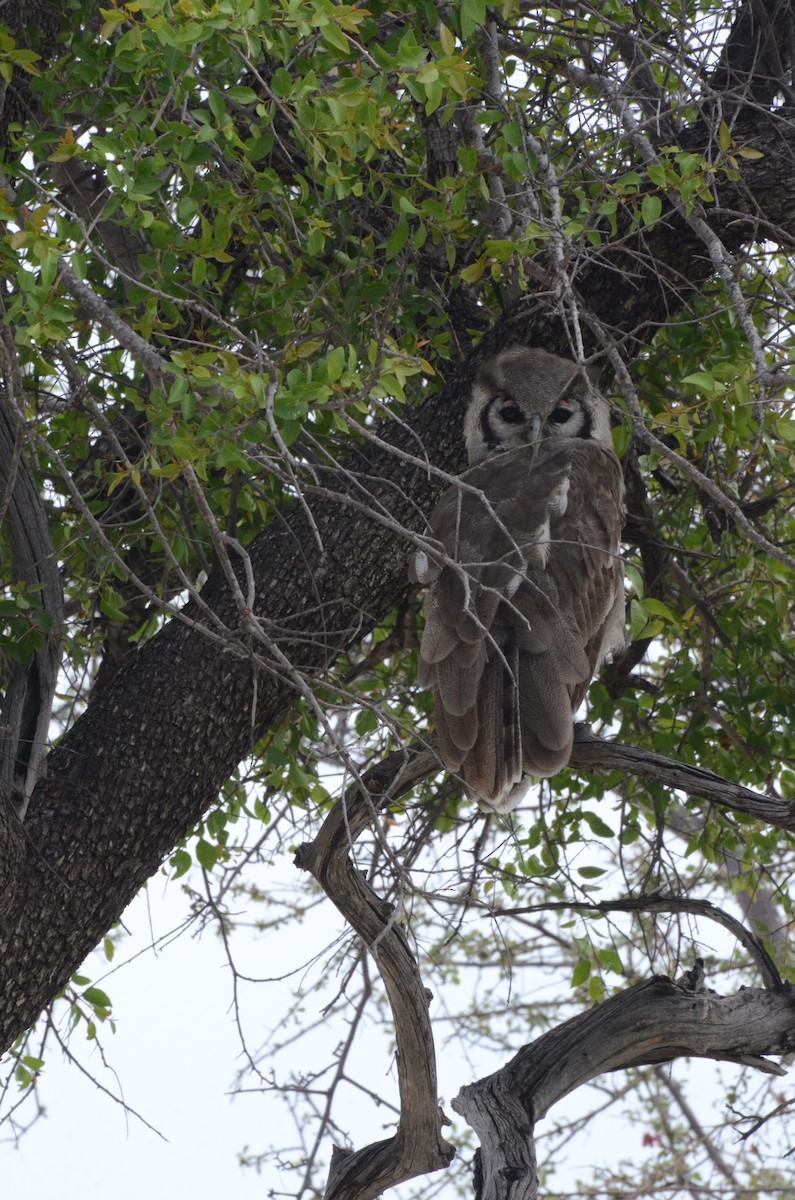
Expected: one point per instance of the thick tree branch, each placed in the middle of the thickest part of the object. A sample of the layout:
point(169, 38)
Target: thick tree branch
point(756, 61)
point(27, 703)
point(654, 1021)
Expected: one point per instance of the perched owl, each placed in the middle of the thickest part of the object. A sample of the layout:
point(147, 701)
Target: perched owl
point(526, 593)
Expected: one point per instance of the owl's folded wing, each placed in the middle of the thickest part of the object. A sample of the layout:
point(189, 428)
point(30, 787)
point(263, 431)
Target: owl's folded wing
point(525, 598)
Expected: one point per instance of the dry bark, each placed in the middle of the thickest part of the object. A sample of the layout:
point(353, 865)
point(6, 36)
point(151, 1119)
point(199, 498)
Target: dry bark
point(654, 1021)
point(417, 1147)
point(27, 704)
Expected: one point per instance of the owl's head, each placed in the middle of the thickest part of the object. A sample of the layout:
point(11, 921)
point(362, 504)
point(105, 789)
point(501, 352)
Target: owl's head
point(523, 395)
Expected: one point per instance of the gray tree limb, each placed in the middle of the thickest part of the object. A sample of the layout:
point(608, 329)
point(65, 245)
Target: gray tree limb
point(30, 689)
point(598, 755)
point(651, 1022)
point(417, 1147)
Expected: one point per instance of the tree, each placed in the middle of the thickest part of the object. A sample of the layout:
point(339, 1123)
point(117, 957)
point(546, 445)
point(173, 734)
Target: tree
point(254, 252)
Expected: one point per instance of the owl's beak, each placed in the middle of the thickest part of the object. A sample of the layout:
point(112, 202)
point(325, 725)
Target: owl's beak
point(536, 429)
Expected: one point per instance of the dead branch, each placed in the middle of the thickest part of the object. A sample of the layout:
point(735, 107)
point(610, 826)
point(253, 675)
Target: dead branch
point(753, 945)
point(654, 1021)
point(417, 1147)
point(592, 753)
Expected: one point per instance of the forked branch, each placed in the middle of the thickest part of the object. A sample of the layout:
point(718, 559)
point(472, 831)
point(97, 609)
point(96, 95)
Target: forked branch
point(651, 1022)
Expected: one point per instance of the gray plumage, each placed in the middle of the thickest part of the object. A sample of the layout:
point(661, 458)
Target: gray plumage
point(525, 584)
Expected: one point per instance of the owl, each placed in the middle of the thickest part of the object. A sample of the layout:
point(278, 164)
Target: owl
point(525, 584)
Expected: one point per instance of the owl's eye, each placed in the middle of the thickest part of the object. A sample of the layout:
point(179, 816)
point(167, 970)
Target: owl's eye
point(560, 415)
point(512, 414)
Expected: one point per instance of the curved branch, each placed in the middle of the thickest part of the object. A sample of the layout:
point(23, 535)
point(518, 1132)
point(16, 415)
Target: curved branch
point(651, 1022)
point(704, 908)
point(417, 1147)
point(665, 904)
point(595, 754)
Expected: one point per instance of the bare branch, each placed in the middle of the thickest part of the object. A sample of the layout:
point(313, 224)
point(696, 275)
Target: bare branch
point(595, 754)
point(654, 1021)
point(418, 1146)
point(669, 904)
point(152, 362)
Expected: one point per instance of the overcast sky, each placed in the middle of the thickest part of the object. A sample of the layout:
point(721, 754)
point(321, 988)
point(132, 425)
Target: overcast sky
point(176, 1053)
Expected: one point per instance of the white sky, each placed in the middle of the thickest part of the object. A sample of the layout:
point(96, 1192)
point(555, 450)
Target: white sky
point(176, 1052)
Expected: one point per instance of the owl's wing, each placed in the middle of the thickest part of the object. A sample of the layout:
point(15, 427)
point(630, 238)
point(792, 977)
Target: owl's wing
point(523, 575)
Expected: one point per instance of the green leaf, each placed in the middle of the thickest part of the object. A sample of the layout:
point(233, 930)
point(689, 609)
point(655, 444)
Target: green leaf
point(474, 271)
point(642, 625)
point(334, 37)
point(366, 721)
point(651, 210)
point(181, 862)
point(111, 605)
point(703, 380)
point(398, 238)
point(749, 153)
point(609, 958)
point(97, 998)
point(597, 825)
point(657, 174)
point(207, 854)
point(581, 972)
point(596, 988)
point(472, 14)
point(242, 95)
point(446, 39)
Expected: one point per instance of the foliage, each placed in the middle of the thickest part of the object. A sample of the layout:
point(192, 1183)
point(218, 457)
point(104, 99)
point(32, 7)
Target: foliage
point(242, 241)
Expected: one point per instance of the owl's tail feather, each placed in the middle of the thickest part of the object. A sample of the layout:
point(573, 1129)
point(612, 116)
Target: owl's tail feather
point(547, 718)
point(456, 736)
point(493, 767)
point(505, 718)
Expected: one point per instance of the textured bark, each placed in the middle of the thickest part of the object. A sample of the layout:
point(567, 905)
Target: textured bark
point(597, 755)
point(652, 1022)
point(27, 704)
